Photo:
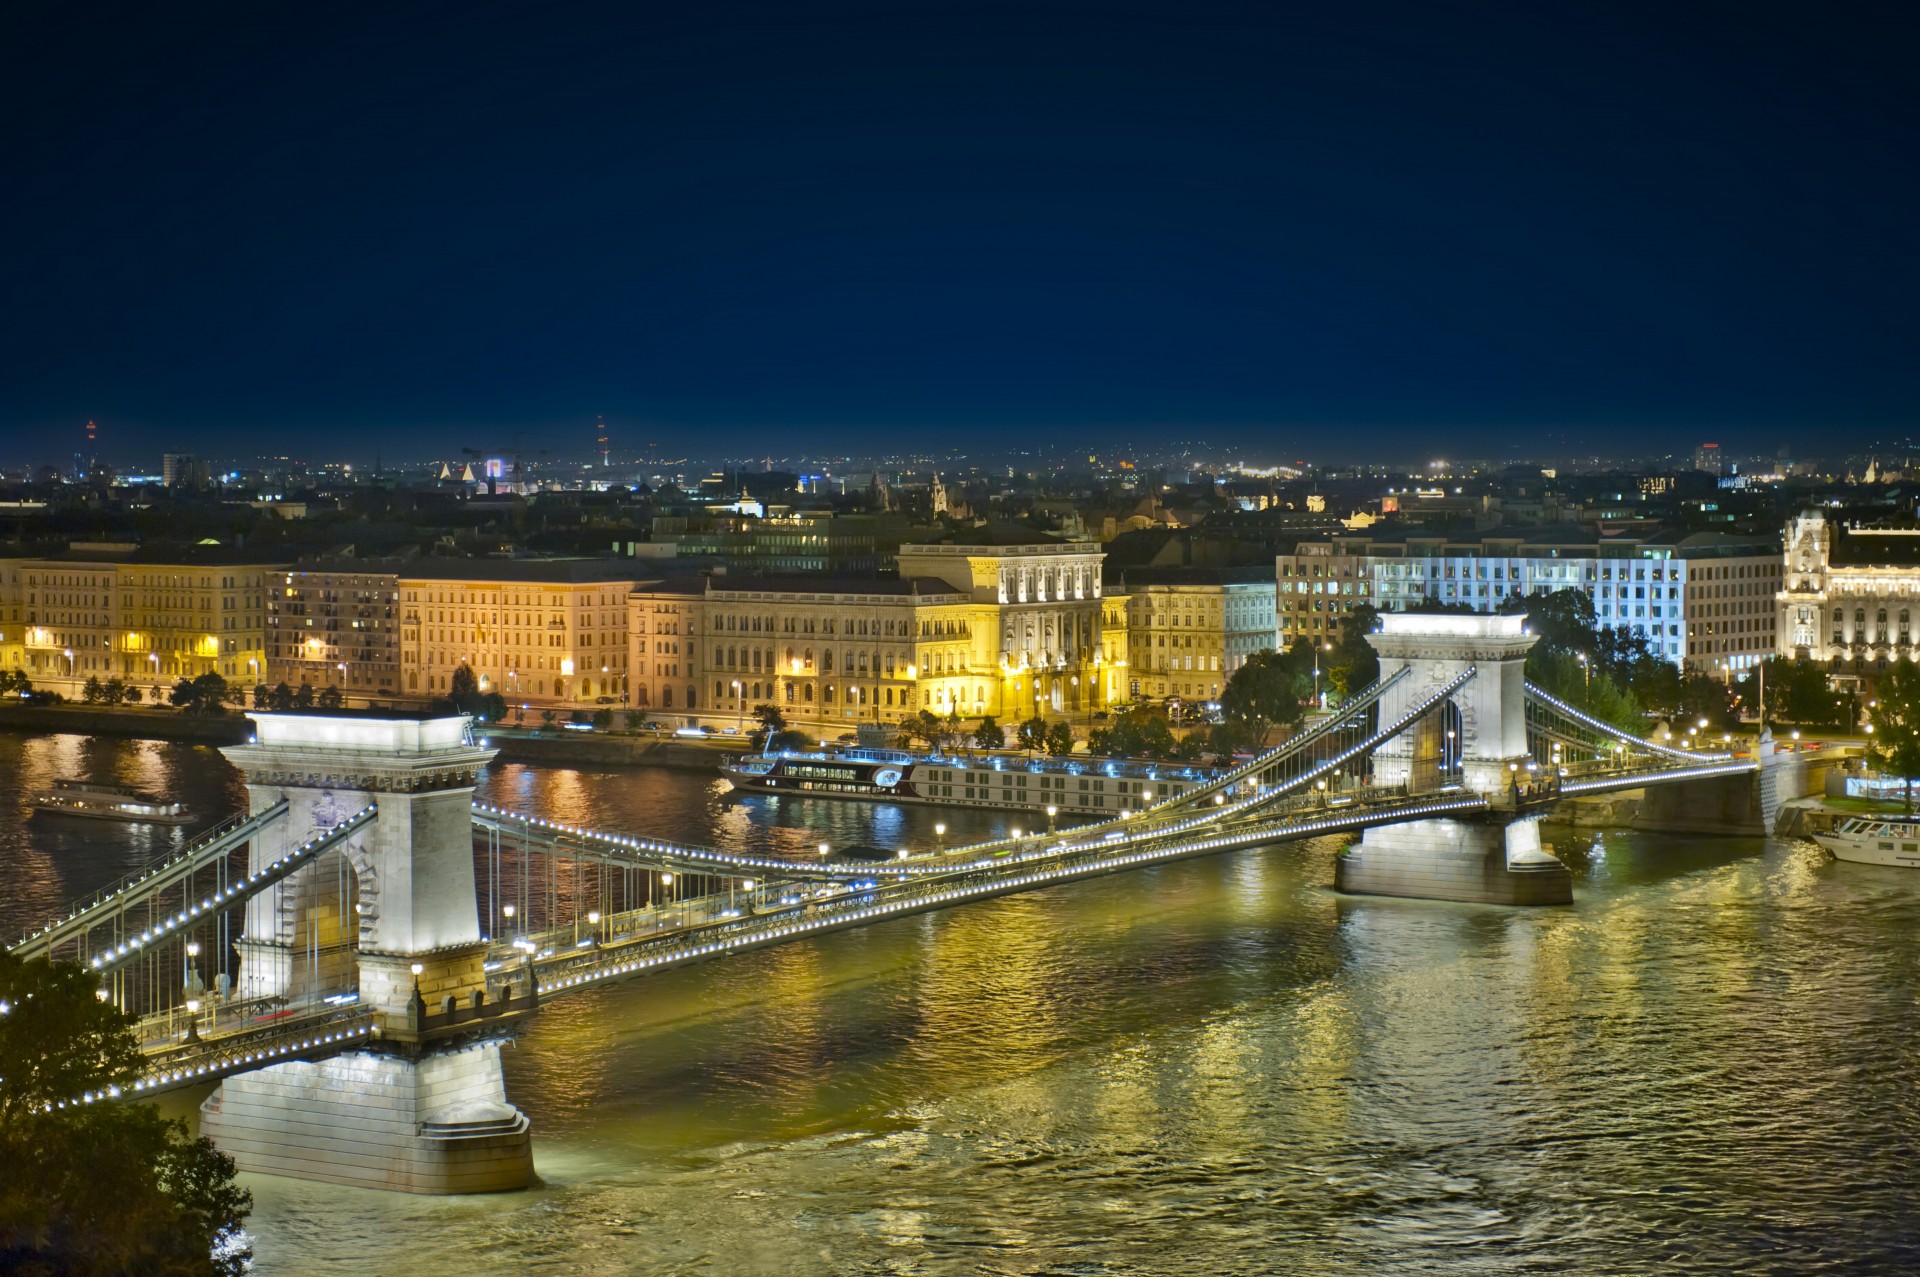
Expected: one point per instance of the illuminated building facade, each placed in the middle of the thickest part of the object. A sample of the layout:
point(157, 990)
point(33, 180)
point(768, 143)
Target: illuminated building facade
point(1007, 631)
point(545, 634)
point(336, 625)
point(1702, 600)
point(1190, 628)
point(1850, 595)
point(110, 614)
point(1038, 626)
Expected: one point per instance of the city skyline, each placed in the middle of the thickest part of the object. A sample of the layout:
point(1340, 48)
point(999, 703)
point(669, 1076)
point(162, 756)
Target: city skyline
point(955, 228)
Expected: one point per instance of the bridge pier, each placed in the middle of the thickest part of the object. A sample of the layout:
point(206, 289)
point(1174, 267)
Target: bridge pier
point(427, 1111)
point(1479, 862)
point(436, 1124)
point(1475, 742)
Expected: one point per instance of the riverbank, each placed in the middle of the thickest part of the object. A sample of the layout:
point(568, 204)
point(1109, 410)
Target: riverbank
point(141, 724)
point(600, 750)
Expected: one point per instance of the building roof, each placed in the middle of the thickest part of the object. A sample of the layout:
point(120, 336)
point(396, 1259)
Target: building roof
point(106, 555)
point(535, 571)
point(1256, 575)
point(992, 536)
point(832, 583)
point(1859, 547)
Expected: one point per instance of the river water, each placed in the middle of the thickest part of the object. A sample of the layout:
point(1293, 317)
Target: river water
point(1706, 1065)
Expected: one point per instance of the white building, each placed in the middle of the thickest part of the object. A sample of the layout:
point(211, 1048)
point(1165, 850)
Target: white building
point(1850, 594)
point(1700, 600)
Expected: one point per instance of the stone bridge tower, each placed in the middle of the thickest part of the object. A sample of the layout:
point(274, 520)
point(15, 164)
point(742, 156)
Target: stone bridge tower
point(1476, 739)
point(426, 1111)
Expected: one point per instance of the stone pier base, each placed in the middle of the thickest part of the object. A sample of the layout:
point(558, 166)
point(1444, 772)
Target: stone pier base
point(440, 1124)
point(1456, 860)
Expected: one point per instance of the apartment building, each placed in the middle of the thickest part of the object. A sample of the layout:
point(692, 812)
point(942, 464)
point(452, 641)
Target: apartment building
point(114, 611)
point(544, 633)
point(336, 624)
point(1190, 628)
point(1701, 600)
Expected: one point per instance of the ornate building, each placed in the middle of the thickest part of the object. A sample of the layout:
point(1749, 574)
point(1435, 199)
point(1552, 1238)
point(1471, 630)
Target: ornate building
point(1851, 595)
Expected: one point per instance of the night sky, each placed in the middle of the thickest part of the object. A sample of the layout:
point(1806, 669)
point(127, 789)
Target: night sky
point(1335, 230)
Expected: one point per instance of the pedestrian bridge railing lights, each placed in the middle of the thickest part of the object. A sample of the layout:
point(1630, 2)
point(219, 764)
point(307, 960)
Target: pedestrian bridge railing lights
point(208, 847)
point(244, 889)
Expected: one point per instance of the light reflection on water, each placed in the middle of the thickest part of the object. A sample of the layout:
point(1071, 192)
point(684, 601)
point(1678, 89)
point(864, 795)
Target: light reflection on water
point(1705, 1066)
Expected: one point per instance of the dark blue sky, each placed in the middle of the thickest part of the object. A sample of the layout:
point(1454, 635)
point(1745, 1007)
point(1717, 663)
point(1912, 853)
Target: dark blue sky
point(1342, 229)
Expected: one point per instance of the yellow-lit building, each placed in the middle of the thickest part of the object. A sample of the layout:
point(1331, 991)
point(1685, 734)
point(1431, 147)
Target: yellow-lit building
point(830, 652)
point(545, 634)
point(974, 630)
point(1190, 628)
point(109, 612)
point(336, 624)
point(1037, 629)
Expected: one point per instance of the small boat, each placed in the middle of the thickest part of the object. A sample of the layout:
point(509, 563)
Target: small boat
point(100, 801)
point(1875, 840)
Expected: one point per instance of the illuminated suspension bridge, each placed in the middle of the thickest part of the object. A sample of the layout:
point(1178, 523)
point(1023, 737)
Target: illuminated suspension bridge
point(379, 909)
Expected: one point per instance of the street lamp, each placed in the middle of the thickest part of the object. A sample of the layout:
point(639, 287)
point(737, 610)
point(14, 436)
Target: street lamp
point(507, 912)
point(1052, 811)
point(69, 662)
point(740, 696)
point(940, 836)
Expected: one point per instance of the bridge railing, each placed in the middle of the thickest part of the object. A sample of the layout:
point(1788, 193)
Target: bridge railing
point(1575, 719)
point(238, 892)
point(1038, 866)
point(136, 888)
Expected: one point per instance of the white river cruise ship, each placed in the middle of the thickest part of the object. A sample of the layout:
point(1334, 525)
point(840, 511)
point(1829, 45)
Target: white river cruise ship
point(1073, 786)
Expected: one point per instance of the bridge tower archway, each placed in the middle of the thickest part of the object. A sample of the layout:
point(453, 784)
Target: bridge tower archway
point(1487, 715)
point(1477, 739)
point(420, 1112)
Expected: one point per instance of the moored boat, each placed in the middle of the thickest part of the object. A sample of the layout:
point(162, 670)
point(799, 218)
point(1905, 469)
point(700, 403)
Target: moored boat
point(1072, 786)
point(1875, 840)
point(97, 800)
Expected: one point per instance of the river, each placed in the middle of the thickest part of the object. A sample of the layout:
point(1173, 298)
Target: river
point(1706, 1065)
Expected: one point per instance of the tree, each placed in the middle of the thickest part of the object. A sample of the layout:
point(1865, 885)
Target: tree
point(1060, 739)
point(104, 1187)
point(206, 694)
point(263, 696)
point(281, 697)
point(15, 681)
point(92, 691)
point(770, 717)
point(303, 696)
point(462, 686)
point(1352, 664)
point(988, 735)
point(1033, 734)
point(113, 691)
point(1267, 690)
point(603, 720)
point(1893, 724)
point(329, 698)
point(547, 717)
point(133, 695)
point(923, 727)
